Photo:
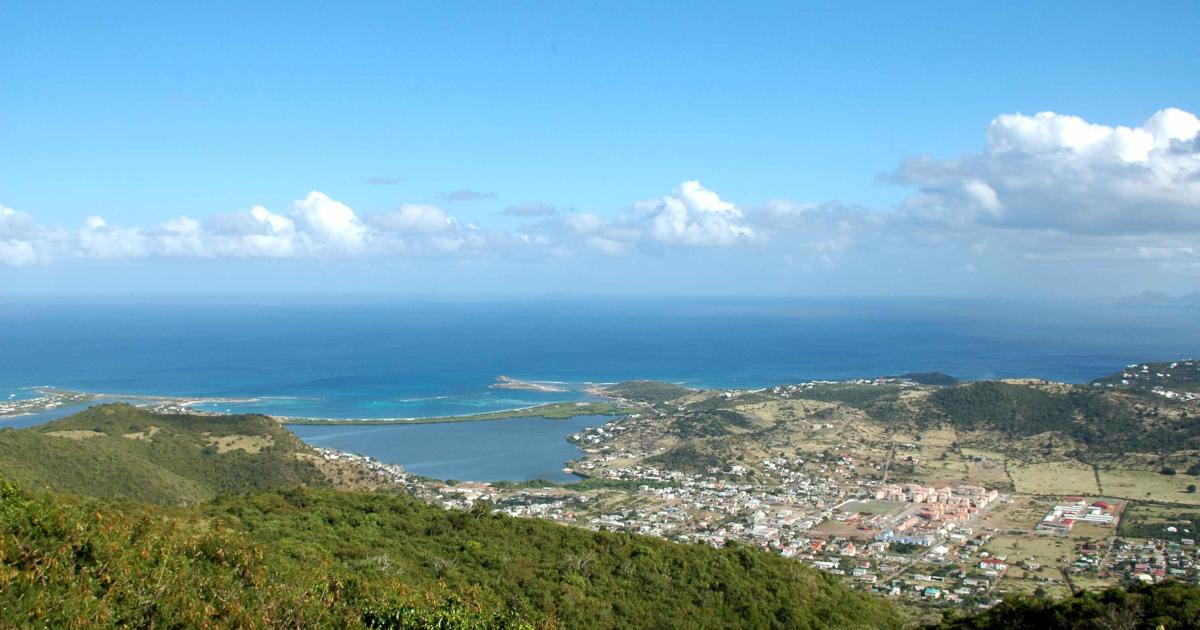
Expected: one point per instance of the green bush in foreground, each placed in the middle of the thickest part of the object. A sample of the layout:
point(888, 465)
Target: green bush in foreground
point(68, 563)
point(319, 558)
point(1168, 605)
point(579, 578)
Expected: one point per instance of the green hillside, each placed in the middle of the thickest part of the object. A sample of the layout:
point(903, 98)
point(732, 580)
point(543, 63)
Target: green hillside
point(212, 526)
point(1104, 423)
point(120, 451)
point(580, 578)
point(647, 391)
point(321, 558)
point(83, 563)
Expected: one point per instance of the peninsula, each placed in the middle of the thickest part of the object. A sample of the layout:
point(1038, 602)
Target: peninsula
point(504, 382)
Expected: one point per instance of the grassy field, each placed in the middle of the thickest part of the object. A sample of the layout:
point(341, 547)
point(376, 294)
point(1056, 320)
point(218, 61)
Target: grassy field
point(1054, 478)
point(871, 507)
point(1045, 549)
point(1147, 484)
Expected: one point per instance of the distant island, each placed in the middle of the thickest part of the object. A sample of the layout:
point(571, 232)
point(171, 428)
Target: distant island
point(504, 382)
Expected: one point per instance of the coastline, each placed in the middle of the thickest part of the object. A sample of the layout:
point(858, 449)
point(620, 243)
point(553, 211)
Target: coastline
point(548, 411)
point(51, 398)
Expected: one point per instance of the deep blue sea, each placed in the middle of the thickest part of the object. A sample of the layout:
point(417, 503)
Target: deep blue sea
point(376, 358)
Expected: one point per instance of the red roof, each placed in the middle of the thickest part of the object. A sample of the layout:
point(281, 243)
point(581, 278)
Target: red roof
point(1101, 504)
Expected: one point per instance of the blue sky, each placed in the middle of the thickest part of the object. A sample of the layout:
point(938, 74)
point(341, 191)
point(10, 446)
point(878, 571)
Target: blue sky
point(143, 114)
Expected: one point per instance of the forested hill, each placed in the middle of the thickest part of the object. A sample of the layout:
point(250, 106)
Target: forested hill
point(186, 520)
point(321, 558)
point(121, 451)
point(1103, 422)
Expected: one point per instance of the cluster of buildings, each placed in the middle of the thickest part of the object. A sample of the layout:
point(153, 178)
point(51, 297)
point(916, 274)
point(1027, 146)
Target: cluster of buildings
point(1142, 560)
point(1153, 560)
point(390, 473)
point(787, 391)
point(966, 496)
point(18, 404)
point(1142, 374)
point(703, 508)
point(1173, 395)
point(941, 511)
point(1062, 518)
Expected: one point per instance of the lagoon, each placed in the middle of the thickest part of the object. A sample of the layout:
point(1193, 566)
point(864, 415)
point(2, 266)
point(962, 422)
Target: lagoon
point(516, 449)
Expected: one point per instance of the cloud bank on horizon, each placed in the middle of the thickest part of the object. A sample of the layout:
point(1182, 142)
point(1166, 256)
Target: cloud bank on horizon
point(1047, 187)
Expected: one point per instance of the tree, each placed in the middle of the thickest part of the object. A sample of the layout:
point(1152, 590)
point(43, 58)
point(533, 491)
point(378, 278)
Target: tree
point(1191, 488)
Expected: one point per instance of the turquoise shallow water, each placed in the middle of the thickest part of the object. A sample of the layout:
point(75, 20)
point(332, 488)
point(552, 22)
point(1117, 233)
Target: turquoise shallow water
point(375, 358)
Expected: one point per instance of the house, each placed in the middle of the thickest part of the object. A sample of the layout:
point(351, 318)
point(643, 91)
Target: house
point(993, 564)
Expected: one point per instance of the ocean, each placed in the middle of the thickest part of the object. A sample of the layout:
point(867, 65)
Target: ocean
point(349, 358)
point(380, 358)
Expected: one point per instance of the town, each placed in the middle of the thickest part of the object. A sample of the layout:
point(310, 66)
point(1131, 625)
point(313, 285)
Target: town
point(835, 502)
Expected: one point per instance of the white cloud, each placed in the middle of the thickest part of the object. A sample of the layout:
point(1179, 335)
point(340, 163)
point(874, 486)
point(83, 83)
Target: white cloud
point(16, 247)
point(694, 215)
point(1051, 171)
point(98, 239)
point(1046, 189)
point(181, 237)
point(257, 232)
point(584, 222)
point(415, 219)
point(331, 223)
point(16, 253)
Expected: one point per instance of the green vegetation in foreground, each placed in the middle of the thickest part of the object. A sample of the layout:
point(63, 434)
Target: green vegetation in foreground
point(647, 391)
point(320, 558)
point(121, 451)
point(75, 563)
point(1167, 605)
point(549, 411)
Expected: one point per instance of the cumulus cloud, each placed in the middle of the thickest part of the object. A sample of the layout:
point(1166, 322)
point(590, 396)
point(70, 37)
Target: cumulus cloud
point(332, 223)
point(695, 215)
point(98, 239)
point(1053, 171)
point(1043, 189)
point(257, 232)
point(17, 239)
point(416, 219)
point(531, 209)
point(15, 253)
